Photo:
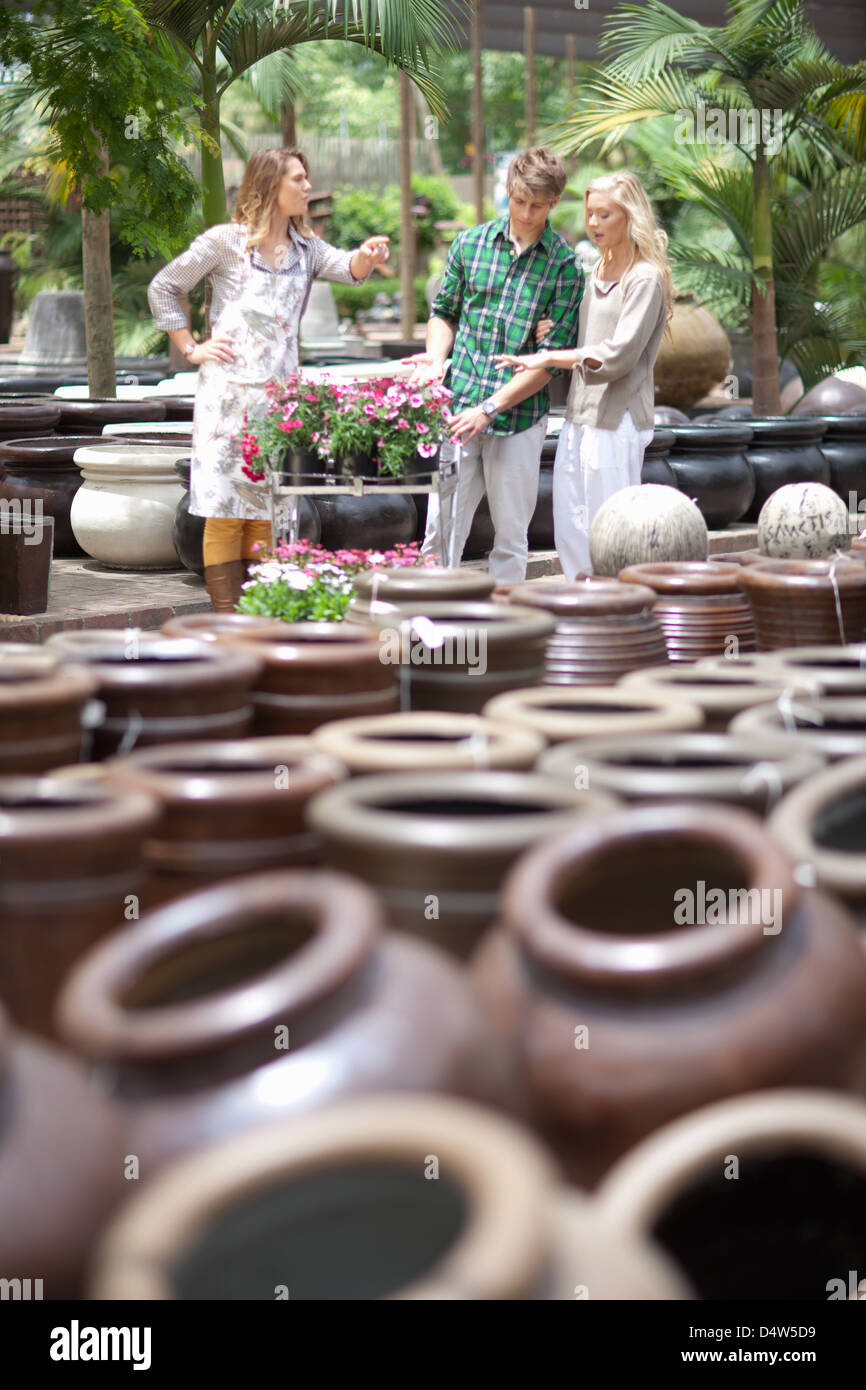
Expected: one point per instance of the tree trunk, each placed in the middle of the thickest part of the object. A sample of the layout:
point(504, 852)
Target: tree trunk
point(407, 224)
point(287, 126)
point(765, 351)
point(98, 299)
point(213, 188)
point(529, 49)
point(478, 150)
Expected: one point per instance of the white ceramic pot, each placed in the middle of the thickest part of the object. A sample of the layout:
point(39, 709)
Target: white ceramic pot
point(122, 514)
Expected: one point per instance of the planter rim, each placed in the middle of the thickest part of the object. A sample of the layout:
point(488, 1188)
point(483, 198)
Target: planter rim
point(800, 574)
point(203, 627)
point(303, 649)
point(186, 774)
point(839, 871)
point(684, 577)
point(639, 963)
point(90, 1012)
point(813, 659)
point(503, 622)
point(69, 810)
point(179, 663)
point(803, 428)
point(506, 1176)
point(726, 436)
point(767, 721)
point(348, 740)
point(719, 690)
point(564, 599)
point(523, 705)
point(49, 685)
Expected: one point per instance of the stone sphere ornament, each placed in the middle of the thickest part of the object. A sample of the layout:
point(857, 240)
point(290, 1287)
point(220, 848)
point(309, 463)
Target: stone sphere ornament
point(802, 521)
point(641, 525)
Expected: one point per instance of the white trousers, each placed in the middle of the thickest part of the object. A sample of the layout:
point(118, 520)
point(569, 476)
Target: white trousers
point(507, 465)
point(591, 465)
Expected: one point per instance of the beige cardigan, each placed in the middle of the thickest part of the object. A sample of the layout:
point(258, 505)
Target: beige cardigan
point(620, 324)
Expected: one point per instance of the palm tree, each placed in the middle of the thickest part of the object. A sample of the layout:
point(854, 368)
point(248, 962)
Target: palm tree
point(765, 83)
point(222, 39)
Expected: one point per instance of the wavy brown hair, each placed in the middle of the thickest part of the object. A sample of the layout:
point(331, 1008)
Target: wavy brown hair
point(257, 194)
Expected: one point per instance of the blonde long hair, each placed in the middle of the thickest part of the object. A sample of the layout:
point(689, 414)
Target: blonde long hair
point(257, 194)
point(648, 239)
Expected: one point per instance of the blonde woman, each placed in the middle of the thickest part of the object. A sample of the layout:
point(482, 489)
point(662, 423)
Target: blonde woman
point(623, 314)
point(261, 267)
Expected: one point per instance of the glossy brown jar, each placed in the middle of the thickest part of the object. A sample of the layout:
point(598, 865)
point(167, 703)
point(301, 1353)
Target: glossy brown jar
point(41, 470)
point(590, 711)
point(61, 1167)
point(226, 809)
point(758, 1198)
point(264, 999)
point(314, 672)
point(70, 870)
point(41, 709)
point(682, 767)
point(206, 627)
point(426, 739)
point(27, 417)
point(701, 606)
point(603, 629)
point(622, 1015)
point(167, 692)
point(411, 584)
point(91, 415)
point(722, 692)
point(437, 845)
point(804, 603)
point(831, 727)
point(340, 1205)
point(821, 824)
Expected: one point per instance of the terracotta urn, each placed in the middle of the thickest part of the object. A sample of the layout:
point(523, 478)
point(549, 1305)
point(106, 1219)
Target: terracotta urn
point(682, 767)
point(263, 999)
point(832, 726)
point(695, 355)
point(822, 824)
point(701, 606)
point(800, 603)
point(723, 692)
point(420, 739)
point(41, 712)
point(560, 713)
point(662, 957)
point(437, 845)
point(603, 629)
point(758, 1198)
point(311, 673)
point(226, 809)
point(339, 1206)
point(61, 1168)
point(71, 869)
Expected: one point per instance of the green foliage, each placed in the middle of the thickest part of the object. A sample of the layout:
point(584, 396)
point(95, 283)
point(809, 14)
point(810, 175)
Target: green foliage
point(353, 299)
point(360, 213)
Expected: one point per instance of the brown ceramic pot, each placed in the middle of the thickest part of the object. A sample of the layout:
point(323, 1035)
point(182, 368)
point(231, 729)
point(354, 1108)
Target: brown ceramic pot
point(437, 845)
point(206, 627)
point(41, 712)
point(840, 671)
point(226, 809)
point(603, 629)
point(41, 470)
point(804, 603)
point(266, 998)
point(701, 607)
point(27, 418)
point(89, 416)
point(831, 727)
point(759, 1198)
point(721, 693)
point(413, 584)
point(422, 739)
point(822, 825)
point(168, 692)
point(737, 557)
point(624, 1016)
point(70, 870)
point(681, 767)
point(340, 1206)
point(314, 672)
point(559, 714)
point(61, 1168)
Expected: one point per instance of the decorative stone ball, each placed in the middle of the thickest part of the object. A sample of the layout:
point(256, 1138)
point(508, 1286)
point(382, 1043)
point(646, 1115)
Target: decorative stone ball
point(639, 525)
point(802, 521)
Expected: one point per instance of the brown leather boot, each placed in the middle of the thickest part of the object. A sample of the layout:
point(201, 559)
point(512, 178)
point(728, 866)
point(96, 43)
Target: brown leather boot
point(224, 584)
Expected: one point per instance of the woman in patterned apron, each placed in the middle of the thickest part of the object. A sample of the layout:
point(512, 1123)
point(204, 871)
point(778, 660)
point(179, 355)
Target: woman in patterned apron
point(261, 267)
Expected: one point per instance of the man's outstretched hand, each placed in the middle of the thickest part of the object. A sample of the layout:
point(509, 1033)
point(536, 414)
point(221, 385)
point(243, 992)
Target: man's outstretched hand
point(427, 369)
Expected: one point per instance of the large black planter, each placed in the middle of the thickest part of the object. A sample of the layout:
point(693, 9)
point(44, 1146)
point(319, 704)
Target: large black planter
point(655, 467)
point(844, 447)
point(42, 470)
point(711, 467)
point(188, 530)
point(373, 522)
point(89, 416)
point(785, 449)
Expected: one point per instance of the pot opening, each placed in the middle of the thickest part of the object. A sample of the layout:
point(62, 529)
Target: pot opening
point(842, 826)
point(416, 737)
point(655, 885)
point(790, 1226)
point(239, 766)
point(578, 706)
point(840, 662)
point(466, 808)
point(200, 968)
point(665, 760)
point(147, 657)
point(363, 1230)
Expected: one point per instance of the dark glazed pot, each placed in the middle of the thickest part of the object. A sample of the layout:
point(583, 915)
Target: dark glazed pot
point(178, 407)
point(701, 606)
point(795, 1215)
point(596, 954)
point(26, 417)
point(785, 449)
point(803, 603)
point(603, 629)
point(844, 447)
point(656, 468)
point(61, 1167)
point(70, 857)
point(436, 845)
point(41, 710)
point(41, 469)
point(832, 397)
point(226, 809)
point(711, 467)
point(89, 416)
point(168, 692)
point(335, 1206)
point(314, 672)
point(188, 529)
point(822, 824)
point(373, 522)
point(266, 998)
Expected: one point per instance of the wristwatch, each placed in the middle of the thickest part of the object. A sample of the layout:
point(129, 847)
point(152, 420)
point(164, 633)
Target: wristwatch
point(190, 348)
point(490, 407)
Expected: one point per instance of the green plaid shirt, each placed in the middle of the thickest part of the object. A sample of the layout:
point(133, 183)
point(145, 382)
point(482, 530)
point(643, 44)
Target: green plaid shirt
point(496, 296)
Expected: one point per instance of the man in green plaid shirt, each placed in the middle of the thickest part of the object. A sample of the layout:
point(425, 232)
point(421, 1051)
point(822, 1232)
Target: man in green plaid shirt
point(500, 280)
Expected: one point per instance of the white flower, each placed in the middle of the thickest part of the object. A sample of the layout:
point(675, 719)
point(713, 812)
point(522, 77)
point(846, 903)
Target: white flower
point(296, 579)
